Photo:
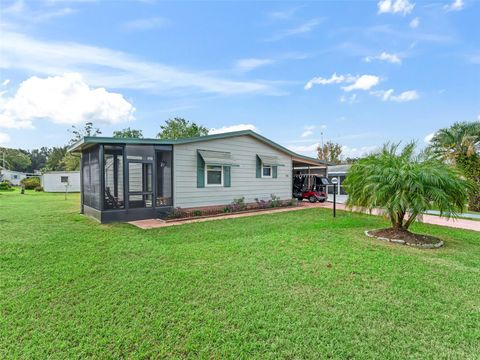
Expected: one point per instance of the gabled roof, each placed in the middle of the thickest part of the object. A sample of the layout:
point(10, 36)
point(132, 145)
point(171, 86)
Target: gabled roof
point(93, 140)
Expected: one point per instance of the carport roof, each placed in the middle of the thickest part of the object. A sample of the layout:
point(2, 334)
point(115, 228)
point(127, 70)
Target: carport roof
point(88, 141)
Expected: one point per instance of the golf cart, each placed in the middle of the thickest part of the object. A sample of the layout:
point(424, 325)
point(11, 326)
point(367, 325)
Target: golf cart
point(310, 187)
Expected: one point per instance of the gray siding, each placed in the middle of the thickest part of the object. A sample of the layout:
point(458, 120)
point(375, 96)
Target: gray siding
point(243, 178)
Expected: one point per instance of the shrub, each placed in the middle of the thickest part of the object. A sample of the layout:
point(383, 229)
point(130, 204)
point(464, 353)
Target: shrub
point(291, 202)
point(38, 189)
point(262, 204)
point(30, 183)
point(274, 201)
point(236, 205)
point(177, 213)
point(5, 186)
point(197, 212)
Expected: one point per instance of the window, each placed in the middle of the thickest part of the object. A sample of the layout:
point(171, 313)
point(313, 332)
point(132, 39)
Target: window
point(266, 171)
point(64, 179)
point(214, 175)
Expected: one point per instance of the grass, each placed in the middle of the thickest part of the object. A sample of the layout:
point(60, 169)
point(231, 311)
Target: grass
point(289, 285)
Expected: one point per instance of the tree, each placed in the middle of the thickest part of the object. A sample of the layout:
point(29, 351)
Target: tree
point(14, 159)
point(79, 133)
point(70, 162)
point(330, 152)
point(460, 145)
point(180, 128)
point(38, 158)
point(55, 158)
point(405, 185)
point(128, 134)
point(462, 139)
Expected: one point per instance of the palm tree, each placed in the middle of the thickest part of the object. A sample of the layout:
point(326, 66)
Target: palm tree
point(462, 139)
point(405, 185)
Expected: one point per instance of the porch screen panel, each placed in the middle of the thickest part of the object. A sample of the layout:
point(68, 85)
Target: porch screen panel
point(164, 178)
point(91, 178)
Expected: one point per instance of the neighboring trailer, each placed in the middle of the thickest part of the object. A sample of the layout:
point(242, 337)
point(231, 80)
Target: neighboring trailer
point(14, 177)
point(61, 181)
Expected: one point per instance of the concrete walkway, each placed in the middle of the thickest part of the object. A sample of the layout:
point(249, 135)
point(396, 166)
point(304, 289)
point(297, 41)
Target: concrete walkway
point(463, 216)
point(428, 219)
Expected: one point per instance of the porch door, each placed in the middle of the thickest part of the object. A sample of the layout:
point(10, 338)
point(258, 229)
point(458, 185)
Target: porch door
point(140, 184)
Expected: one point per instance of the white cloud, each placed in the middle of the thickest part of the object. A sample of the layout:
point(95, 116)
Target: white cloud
point(252, 63)
point(63, 99)
point(428, 138)
point(5, 82)
point(403, 7)
point(146, 23)
point(355, 152)
point(384, 56)
point(104, 67)
point(364, 82)
point(334, 79)
point(304, 28)
point(456, 5)
point(414, 23)
point(307, 131)
point(4, 138)
point(387, 95)
point(237, 127)
point(304, 149)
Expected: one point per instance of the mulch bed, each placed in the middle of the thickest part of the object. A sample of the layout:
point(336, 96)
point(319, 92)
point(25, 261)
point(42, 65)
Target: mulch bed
point(406, 238)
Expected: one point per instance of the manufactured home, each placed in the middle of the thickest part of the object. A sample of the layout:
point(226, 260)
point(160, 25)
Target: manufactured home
point(14, 177)
point(132, 179)
point(61, 181)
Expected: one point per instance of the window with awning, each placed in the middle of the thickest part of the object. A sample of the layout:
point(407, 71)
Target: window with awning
point(214, 168)
point(268, 160)
point(267, 166)
point(218, 158)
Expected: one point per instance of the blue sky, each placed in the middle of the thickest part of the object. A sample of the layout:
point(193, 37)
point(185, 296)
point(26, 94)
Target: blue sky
point(360, 72)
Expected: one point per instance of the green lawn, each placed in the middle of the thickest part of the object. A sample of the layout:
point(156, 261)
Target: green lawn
point(290, 285)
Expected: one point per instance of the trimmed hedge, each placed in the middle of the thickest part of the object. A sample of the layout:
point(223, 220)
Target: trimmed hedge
point(31, 183)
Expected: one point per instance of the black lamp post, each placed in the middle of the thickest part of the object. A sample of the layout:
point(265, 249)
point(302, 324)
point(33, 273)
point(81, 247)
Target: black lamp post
point(334, 182)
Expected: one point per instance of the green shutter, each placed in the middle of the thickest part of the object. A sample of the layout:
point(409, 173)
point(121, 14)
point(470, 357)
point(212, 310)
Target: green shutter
point(274, 171)
point(200, 171)
point(227, 181)
point(259, 167)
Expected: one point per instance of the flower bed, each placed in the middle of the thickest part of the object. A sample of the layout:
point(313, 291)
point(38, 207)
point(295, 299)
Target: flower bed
point(238, 206)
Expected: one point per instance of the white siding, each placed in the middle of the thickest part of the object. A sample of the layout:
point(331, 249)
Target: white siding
point(14, 177)
point(51, 181)
point(244, 182)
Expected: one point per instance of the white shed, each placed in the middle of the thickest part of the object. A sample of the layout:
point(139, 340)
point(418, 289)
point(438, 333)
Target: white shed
point(14, 177)
point(61, 181)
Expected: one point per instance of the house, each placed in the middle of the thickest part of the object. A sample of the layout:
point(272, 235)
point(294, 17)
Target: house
point(61, 181)
point(14, 177)
point(132, 179)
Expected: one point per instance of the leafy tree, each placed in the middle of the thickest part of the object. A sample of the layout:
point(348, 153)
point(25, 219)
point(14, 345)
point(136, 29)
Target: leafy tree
point(460, 145)
point(180, 128)
point(55, 159)
point(405, 185)
point(70, 162)
point(15, 159)
point(79, 133)
point(38, 158)
point(329, 152)
point(128, 134)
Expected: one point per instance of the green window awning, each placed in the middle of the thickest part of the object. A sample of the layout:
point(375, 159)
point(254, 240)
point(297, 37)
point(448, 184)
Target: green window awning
point(268, 160)
point(219, 158)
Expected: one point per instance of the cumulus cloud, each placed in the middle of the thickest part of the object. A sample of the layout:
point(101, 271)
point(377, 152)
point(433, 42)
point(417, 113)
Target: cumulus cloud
point(388, 95)
point(65, 99)
point(364, 82)
point(252, 63)
point(237, 127)
point(403, 7)
point(384, 56)
point(456, 5)
point(428, 138)
point(414, 23)
point(4, 138)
